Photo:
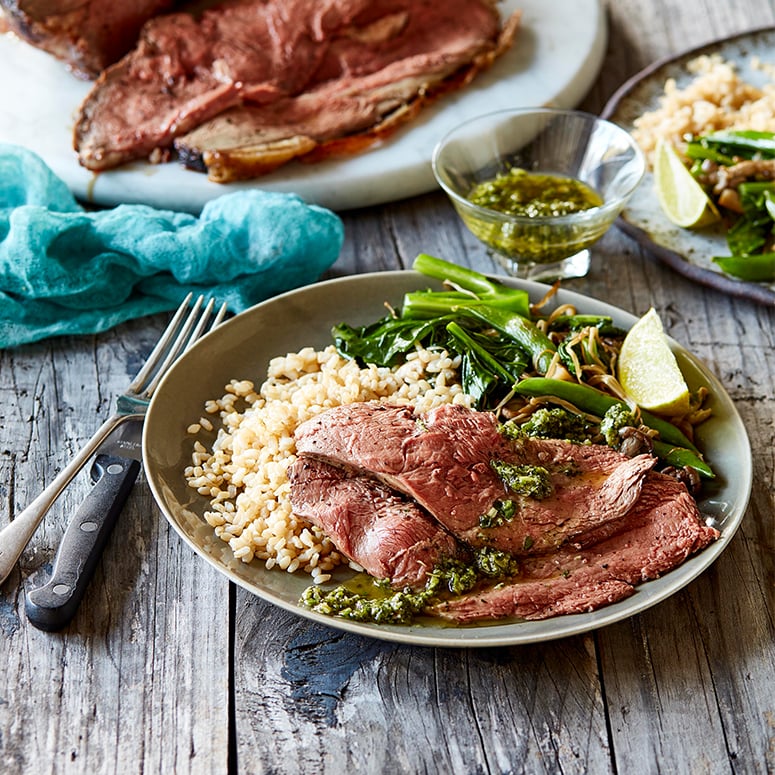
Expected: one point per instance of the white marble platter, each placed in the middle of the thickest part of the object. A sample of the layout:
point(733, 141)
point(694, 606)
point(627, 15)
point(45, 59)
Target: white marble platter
point(556, 58)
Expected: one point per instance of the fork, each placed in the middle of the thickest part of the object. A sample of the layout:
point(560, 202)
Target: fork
point(181, 333)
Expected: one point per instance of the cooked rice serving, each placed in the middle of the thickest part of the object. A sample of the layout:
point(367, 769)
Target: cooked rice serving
point(242, 472)
point(716, 98)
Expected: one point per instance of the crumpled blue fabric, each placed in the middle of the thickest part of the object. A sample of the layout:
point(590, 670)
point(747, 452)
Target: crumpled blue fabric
point(64, 270)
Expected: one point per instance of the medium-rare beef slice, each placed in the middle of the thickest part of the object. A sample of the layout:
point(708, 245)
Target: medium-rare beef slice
point(248, 141)
point(88, 35)
point(183, 72)
point(332, 120)
point(664, 528)
point(390, 537)
point(187, 70)
point(443, 460)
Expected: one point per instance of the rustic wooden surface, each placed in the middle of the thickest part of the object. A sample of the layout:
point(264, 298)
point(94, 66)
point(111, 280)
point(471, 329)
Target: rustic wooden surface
point(167, 668)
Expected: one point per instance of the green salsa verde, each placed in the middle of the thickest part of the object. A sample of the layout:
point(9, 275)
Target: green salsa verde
point(534, 194)
point(365, 599)
point(531, 195)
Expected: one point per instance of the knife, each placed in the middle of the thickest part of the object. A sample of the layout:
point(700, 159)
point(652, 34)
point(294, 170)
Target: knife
point(114, 470)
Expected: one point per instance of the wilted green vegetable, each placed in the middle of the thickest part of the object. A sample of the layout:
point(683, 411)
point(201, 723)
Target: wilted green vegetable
point(751, 232)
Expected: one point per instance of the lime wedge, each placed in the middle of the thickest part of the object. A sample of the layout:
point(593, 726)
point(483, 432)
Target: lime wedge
point(648, 371)
point(681, 197)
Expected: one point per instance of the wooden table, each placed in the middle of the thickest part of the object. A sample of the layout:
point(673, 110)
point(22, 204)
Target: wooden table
point(170, 668)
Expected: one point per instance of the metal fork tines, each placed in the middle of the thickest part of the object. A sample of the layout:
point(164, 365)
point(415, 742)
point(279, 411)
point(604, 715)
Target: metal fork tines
point(184, 329)
point(181, 333)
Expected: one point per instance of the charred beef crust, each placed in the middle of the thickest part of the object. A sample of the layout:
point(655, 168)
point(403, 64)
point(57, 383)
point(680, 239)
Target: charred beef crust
point(389, 536)
point(87, 35)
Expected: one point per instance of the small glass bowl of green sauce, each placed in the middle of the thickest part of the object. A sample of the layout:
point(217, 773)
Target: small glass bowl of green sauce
point(539, 186)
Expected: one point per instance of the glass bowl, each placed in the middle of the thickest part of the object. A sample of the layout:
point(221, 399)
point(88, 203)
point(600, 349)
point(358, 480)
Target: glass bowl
point(565, 143)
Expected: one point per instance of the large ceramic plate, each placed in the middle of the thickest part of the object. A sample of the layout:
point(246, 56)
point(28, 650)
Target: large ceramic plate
point(688, 252)
point(556, 58)
point(242, 347)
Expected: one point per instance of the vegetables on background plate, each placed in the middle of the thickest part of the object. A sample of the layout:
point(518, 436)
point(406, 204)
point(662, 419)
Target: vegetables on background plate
point(734, 178)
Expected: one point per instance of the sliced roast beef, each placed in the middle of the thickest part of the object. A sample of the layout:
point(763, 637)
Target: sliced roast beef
point(249, 141)
point(251, 53)
point(338, 118)
point(444, 460)
point(88, 35)
point(389, 536)
point(663, 529)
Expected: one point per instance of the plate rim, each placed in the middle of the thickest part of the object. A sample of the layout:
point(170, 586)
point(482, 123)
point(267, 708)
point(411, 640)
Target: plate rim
point(490, 635)
point(757, 292)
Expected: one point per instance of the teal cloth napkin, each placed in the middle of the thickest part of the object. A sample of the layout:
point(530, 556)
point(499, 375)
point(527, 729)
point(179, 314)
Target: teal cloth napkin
point(64, 270)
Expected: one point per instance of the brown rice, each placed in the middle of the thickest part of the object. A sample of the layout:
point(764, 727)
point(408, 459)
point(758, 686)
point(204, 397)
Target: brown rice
point(242, 472)
point(716, 98)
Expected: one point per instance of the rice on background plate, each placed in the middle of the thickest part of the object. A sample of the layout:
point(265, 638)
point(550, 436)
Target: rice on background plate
point(716, 98)
point(243, 474)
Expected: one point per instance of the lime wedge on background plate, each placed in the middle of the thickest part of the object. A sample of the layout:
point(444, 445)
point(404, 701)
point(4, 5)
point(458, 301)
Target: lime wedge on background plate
point(680, 196)
point(648, 371)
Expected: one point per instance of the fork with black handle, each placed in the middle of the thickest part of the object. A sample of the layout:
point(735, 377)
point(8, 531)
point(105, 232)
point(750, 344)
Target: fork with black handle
point(185, 328)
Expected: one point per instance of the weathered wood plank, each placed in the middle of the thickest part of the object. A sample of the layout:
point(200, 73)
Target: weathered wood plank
point(316, 699)
point(138, 681)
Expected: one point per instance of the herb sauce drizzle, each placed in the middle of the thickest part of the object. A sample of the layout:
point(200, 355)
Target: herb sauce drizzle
point(534, 194)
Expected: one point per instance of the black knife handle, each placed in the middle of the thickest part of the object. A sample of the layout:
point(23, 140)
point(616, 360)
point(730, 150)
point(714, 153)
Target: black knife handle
point(53, 605)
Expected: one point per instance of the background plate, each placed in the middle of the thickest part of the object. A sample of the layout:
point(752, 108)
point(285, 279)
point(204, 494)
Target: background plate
point(687, 252)
point(242, 348)
point(555, 59)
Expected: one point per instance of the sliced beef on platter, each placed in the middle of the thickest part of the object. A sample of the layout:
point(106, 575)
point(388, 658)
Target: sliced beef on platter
point(663, 529)
point(389, 536)
point(249, 141)
point(337, 118)
point(88, 35)
point(442, 460)
point(245, 54)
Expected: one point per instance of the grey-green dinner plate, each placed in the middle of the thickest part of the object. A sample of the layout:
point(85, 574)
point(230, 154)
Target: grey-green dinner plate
point(242, 347)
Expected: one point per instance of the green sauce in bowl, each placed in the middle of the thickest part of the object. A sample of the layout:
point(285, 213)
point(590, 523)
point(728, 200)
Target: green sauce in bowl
point(524, 214)
point(534, 194)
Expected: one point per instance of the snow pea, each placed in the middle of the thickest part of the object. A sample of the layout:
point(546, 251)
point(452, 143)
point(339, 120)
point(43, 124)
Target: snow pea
point(757, 267)
point(680, 457)
point(745, 143)
point(595, 402)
